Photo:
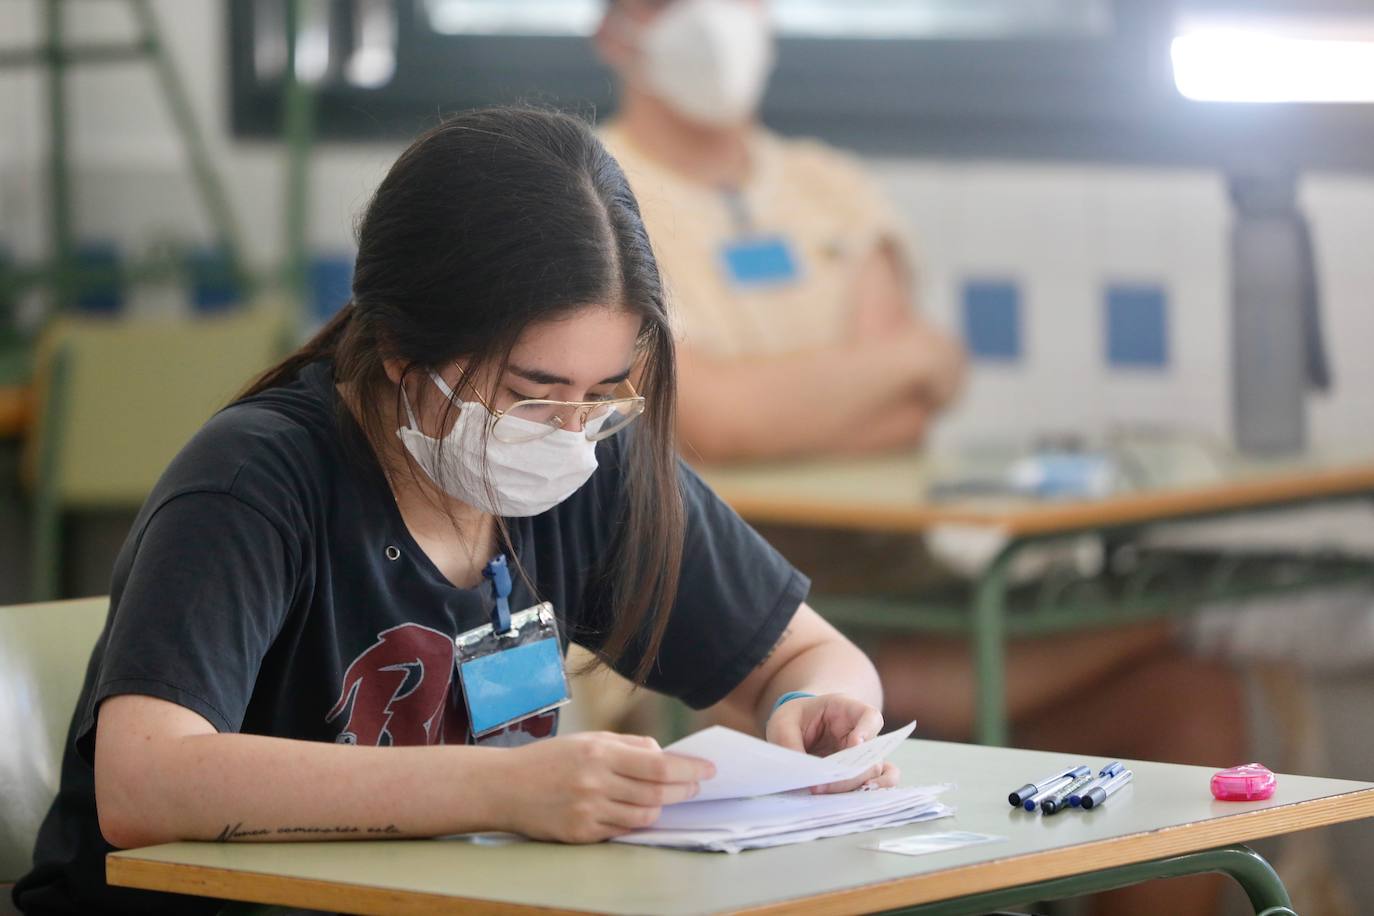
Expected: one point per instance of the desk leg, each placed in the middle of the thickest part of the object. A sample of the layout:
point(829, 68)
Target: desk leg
point(46, 580)
point(1246, 867)
point(989, 640)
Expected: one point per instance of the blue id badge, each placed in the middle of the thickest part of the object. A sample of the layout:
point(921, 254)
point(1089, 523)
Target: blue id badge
point(512, 675)
point(760, 261)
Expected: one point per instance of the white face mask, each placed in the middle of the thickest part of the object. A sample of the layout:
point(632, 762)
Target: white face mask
point(709, 59)
point(512, 479)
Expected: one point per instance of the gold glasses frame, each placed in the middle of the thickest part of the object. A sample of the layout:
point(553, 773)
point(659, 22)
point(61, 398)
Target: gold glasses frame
point(631, 406)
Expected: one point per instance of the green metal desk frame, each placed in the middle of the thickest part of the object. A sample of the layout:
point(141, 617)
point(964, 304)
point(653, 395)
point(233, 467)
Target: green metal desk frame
point(1247, 868)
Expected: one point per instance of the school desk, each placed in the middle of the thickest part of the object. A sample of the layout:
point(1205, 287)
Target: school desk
point(889, 493)
point(1164, 824)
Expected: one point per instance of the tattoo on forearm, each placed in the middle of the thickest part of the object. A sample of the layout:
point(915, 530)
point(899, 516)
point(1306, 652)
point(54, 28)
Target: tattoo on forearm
point(781, 639)
point(239, 832)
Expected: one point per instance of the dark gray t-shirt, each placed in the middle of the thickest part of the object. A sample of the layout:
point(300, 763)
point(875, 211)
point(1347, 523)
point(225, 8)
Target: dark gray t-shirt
point(270, 585)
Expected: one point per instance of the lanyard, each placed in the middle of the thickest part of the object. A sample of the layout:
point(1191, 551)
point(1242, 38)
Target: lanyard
point(498, 573)
point(739, 210)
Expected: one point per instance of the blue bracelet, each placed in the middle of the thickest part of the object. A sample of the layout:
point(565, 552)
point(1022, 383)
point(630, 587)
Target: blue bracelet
point(790, 695)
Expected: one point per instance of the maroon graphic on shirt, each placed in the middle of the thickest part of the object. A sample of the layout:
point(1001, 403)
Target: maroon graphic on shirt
point(398, 689)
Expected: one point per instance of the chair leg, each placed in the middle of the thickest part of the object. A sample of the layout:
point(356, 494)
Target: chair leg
point(47, 512)
point(47, 549)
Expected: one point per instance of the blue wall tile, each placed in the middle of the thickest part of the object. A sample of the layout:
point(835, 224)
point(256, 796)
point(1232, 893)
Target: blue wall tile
point(992, 320)
point(213, 285)
point(331, 283)
point(1137, 326)
point(103, 295)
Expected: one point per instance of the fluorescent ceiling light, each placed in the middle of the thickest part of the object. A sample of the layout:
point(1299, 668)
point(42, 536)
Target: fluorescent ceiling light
point(373, 61)
point(977, 19)
point(1249, 65)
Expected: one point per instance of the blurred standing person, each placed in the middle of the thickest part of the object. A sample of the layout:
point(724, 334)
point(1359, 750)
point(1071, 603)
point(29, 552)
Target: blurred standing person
point(788, 269)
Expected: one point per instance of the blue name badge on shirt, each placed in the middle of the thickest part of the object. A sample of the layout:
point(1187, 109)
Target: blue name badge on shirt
point(760, 261)
point(514, 683)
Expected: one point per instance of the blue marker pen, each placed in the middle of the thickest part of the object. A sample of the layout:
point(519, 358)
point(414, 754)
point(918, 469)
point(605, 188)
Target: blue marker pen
point(1059, 800)
point(1054, 786)
point(1107, 772)
point(1019, 797)
point(1099, 794)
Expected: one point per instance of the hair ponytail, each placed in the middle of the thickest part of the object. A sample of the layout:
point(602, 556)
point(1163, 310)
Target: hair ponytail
point(323, 345)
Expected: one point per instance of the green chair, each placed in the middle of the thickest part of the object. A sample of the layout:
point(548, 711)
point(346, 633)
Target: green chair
point(44, 648)
point(118, 400)
point(43, 653)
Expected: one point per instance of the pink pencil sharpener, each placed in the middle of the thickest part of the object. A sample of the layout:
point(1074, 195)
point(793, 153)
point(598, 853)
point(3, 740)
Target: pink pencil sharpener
point(1249, 782)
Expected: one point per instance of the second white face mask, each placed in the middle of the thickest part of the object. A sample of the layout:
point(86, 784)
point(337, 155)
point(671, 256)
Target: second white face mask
point(709, 59)
point(510, 479)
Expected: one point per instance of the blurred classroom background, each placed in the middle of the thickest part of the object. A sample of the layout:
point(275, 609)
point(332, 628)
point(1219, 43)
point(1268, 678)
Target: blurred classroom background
point(1078, 176)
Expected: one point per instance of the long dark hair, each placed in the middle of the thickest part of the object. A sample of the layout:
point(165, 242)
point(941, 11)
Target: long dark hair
point(494, 220)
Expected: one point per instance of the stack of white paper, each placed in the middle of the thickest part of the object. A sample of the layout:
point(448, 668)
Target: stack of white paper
point(793, 817)
point(753, 800)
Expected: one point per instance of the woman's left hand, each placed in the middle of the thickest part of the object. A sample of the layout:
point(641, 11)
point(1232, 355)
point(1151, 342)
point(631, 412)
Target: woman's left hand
point(825, 724)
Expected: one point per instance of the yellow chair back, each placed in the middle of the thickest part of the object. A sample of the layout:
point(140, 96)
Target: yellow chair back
point(129, 394)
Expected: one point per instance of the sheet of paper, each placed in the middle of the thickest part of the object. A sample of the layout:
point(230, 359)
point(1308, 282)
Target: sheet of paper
point(709, 840)
point(922, 843)
point(748, 766)
point(833, 826)
point(747, 814)
point(489, 838)
point(786, 839)
point(872, 753)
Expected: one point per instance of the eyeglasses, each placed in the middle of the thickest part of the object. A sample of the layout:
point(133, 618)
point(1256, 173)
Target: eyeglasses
point(526, 421)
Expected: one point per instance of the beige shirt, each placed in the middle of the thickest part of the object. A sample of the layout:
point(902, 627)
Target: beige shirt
point(815, 197)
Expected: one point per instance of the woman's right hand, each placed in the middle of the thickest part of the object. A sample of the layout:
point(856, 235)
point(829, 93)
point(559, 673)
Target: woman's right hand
point(589, 787)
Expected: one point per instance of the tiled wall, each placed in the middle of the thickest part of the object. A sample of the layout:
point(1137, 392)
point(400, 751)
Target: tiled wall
point(1094, 296)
